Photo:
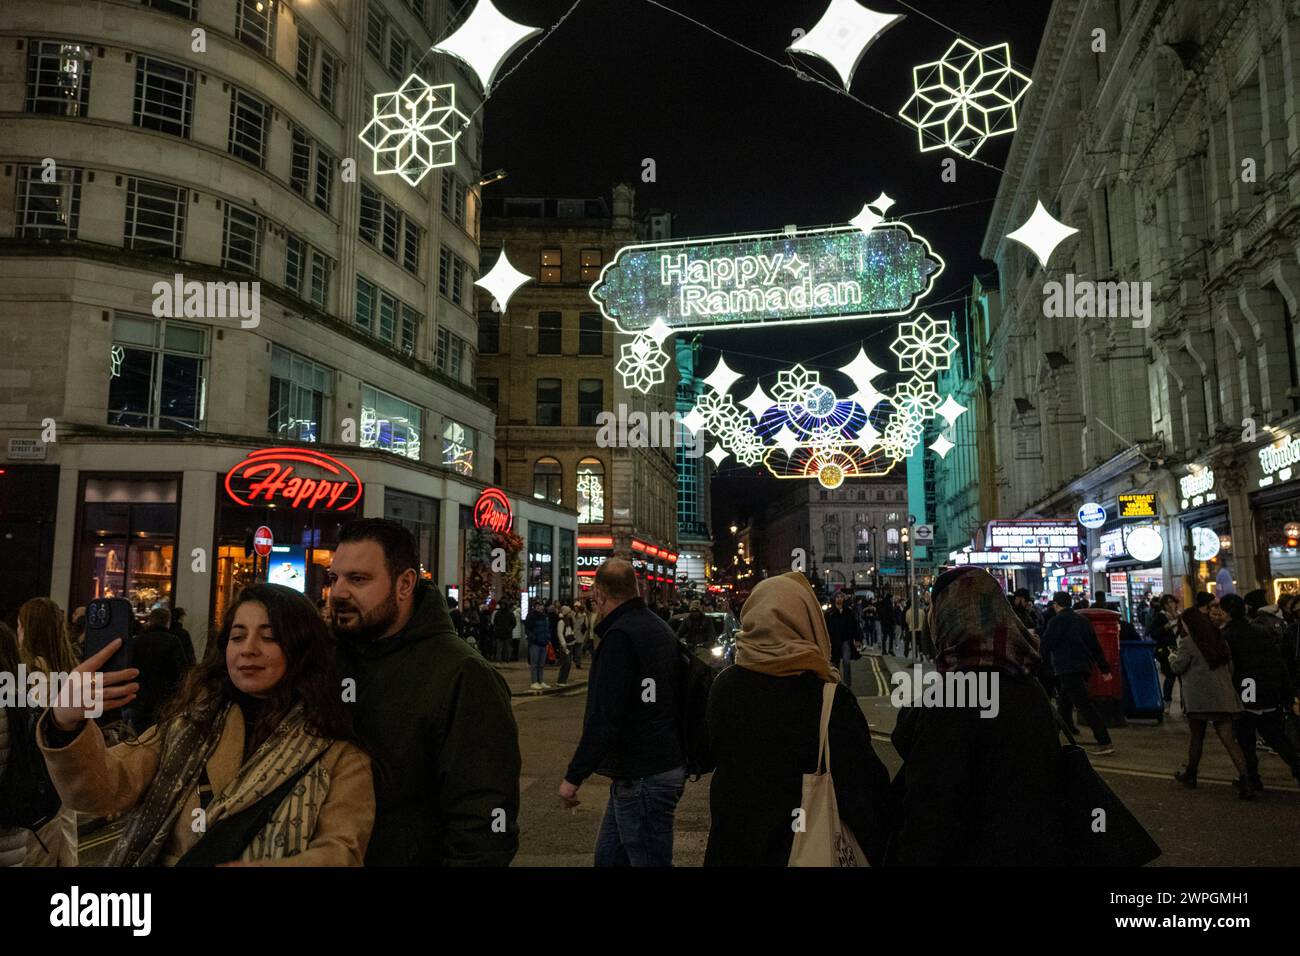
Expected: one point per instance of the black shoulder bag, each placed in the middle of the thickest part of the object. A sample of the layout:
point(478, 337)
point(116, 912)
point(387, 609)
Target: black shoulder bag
point(227, 839)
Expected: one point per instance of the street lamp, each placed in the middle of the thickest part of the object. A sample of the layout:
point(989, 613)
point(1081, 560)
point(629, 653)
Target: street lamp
point(875, 557)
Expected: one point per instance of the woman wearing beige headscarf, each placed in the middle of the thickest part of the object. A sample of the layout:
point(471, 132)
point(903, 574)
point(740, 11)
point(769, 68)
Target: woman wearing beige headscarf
point(763, 720)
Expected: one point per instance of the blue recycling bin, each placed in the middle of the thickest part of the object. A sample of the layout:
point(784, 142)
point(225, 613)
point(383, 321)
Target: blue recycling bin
point(1143, 693)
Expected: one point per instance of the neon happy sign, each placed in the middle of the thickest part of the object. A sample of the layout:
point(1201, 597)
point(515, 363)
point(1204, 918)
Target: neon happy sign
point(492, 512)
point(812, 276)
point(270, 475)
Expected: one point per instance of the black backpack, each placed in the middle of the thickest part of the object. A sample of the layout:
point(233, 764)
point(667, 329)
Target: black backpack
point(694, 681)
point(28, 799)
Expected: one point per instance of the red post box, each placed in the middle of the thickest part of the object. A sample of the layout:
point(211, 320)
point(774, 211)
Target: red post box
point(1108, 694)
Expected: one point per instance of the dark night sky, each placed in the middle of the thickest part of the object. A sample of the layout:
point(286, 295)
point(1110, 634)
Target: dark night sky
point(742, 145)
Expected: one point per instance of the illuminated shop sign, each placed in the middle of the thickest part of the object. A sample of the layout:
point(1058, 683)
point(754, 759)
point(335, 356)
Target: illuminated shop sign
point(810, 276)
point(1196, 488)
point(298, 477)
point(1278, 460)
point(492, 512)
point(1032, 535)
point(1138, 505)
point(1012, 556)
point(1111, 543)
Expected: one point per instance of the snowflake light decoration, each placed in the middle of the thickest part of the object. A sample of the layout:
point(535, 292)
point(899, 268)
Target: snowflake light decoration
point(965, 97)
point(415, 129)
point(641, 363)
point(916, 399)
point(924, 346)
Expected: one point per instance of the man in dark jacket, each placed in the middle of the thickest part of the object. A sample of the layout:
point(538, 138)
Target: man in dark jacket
point(696, 629)
point(159, 655)
point(434, 713)
point(178, 628)
point(503, 630)
point(1260, 676)
point(1022, 602)
point(1070, 648)
point(843, 627)
point(885, 611)
point(630, 731)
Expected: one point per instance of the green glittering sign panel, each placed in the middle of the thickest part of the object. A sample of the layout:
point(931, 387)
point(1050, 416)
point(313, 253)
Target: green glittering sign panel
point(813, 276)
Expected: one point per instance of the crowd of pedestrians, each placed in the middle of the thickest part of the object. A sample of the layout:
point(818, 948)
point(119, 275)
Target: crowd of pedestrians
point(417, 760)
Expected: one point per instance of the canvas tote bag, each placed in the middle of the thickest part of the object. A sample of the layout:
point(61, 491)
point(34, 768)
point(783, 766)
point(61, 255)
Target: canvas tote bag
point(824, 839)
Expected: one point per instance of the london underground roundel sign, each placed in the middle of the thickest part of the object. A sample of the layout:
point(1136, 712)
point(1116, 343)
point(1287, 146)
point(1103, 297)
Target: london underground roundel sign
point(297, 477)
point(492, 512)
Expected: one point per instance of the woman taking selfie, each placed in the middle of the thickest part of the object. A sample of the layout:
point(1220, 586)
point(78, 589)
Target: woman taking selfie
point(256, 752)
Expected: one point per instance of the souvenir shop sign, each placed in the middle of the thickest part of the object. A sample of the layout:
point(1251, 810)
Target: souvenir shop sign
point(1138, 505)
point(296, 477)
point(798, 276)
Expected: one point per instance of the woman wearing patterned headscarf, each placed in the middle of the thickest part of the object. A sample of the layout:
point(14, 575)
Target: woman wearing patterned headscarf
point(977, 789)
point(257, 746)
point(764, 720)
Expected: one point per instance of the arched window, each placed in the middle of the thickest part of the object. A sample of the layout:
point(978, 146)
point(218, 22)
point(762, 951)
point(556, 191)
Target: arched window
point(548, 480)
point(832, 533)
point(591, 491)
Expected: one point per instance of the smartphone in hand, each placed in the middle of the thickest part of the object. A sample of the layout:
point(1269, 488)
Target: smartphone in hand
point(106, 620)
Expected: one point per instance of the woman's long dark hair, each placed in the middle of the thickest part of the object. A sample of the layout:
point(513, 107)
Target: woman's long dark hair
point(1209, 639)
point(311, 675)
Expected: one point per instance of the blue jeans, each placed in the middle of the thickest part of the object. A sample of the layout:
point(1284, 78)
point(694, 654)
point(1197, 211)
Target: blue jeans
point(537, 662)
point(638, 825)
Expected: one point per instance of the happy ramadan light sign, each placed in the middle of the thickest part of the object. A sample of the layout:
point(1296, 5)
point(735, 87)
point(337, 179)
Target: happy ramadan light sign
point(811, 276)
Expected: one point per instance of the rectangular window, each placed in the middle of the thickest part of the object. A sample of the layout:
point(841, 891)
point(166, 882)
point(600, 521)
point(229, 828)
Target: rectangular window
point(551, 266)
point(300, 390)
point(591, 334)
point(306, 57)
point(300, 162)
point(444, 271)
point(389, 423)
point(443, 348)
point(157, 374)
point(375, 33)
point(457, 280)
point(58, 78)
point(164, 96)
point(396, 54)
point(248, 121)
point(329, 72)
point(549, 332)
point(410, 329)
point(324, 179)
point(548, 401)
point(416, 7)
point(255, 25)
point(365, 312)
point(591, 399)
point(387, 317)
point(458, 447)
point(456, 351)
point(490, 388)
point(155, 217)
point(489, 333)
point(242, 241)
point(391, 227)
point(48, 210)
point(591, 265)
point(368, 226)
point(189, 9)
point(293, 262)
point(412, 236)
point(320, 279)
point(453, 198)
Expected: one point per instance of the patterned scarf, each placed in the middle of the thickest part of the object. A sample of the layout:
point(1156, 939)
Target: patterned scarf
point(184, 752)
point(973, 626)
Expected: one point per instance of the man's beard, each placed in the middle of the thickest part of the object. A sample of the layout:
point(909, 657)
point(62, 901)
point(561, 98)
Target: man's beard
point(371, 625)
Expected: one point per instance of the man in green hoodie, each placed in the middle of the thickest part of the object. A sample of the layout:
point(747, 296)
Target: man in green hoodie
point(434, 713)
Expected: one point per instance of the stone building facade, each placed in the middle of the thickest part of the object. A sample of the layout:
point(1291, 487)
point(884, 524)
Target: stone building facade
point(1167, 132)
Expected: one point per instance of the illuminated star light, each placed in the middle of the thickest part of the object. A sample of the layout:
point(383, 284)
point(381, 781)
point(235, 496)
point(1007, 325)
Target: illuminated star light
point(941, 446)
point(414, 129)
point(862, 369)
point(786, 440)
point(924, 346)
point(722, 377)
point(872, 214)
point(503, 281)
point(641, 363)
point(717, 455)
point(843, 34)
point(485, 39)
point(693, 421)
point(965, 97)
point(868, 438)
point(1042, 233)
point(951, 410)
point(758, 403)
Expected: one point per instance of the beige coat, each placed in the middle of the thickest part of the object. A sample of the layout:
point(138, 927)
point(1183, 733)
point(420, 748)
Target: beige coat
point(91, 778)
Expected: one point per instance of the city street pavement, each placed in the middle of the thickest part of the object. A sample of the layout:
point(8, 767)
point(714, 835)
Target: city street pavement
point(517, 675)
